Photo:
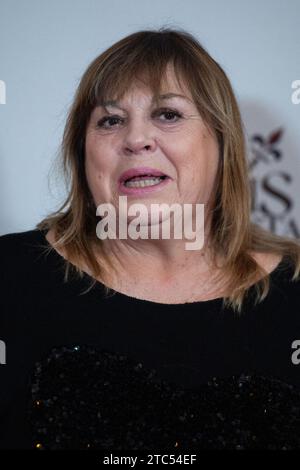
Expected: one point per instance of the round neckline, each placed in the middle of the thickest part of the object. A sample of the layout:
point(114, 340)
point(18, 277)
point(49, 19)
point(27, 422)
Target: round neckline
point(99, 285)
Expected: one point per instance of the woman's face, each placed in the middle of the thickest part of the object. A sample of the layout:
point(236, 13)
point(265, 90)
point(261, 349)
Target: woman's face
point(170, 137)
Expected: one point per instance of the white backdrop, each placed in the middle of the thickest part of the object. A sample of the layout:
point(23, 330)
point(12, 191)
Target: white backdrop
point(46, 46)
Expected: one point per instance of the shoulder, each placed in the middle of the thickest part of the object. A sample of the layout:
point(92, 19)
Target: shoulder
point(28, 270)
point(25, 236)
point(280, 269)
point(282, 303)
point(18, 248)
point(273, 325)
point(16, 242)
point(283, 295)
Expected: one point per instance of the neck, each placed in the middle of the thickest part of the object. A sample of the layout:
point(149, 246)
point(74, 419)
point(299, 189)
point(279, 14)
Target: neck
point(161, 259)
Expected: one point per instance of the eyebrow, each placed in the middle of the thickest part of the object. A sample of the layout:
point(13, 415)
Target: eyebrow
point(165, 96)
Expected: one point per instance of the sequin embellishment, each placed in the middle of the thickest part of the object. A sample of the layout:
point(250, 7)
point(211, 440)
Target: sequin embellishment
point(83, 398)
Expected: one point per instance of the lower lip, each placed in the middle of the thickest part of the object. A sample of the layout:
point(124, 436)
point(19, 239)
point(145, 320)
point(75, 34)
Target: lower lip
point(145, 190)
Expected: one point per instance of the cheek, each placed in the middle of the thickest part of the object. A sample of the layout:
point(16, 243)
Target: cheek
point(199, 161)
point(96, 168)
point(97, 159)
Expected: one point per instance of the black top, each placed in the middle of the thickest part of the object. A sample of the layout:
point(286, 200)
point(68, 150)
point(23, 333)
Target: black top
point(186, 345)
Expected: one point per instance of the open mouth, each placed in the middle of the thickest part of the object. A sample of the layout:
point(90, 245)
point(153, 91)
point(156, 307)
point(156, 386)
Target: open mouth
point(143, 181)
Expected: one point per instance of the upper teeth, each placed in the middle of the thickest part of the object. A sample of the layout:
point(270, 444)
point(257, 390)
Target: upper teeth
point(143, 182)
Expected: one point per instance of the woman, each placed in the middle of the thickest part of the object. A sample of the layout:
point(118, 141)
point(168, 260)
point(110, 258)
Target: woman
point(90, 324)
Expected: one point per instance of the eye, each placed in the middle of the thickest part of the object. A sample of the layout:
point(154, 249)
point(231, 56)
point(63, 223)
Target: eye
point(170, 113)
point(105, 119)
point(162, 111)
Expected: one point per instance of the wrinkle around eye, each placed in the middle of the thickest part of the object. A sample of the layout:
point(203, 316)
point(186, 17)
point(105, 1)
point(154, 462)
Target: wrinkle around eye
point(178, 115)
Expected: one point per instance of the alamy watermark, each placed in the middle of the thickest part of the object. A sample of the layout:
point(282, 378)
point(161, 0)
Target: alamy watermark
point(296, 354)
point(2, 92)
point(2, 352)
point(295, 97)
point(159, 218)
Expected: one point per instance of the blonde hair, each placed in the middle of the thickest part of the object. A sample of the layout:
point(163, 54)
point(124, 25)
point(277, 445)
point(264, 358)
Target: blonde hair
point(233, 236)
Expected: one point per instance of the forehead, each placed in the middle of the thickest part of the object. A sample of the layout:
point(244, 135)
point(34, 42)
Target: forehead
point(171, 86)
point(161, 97)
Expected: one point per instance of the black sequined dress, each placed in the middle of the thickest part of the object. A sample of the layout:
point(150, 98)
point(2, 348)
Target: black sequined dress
point(119, 373)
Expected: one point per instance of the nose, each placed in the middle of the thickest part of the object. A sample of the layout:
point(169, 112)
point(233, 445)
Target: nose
point(138, 140)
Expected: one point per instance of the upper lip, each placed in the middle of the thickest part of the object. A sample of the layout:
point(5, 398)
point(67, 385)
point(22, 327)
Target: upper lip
point(138, 172)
